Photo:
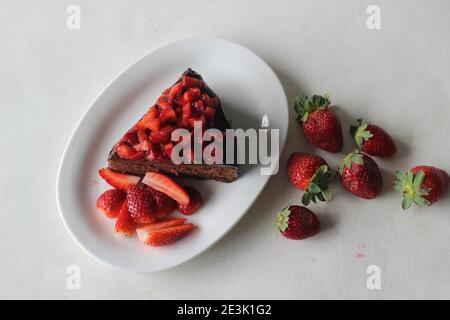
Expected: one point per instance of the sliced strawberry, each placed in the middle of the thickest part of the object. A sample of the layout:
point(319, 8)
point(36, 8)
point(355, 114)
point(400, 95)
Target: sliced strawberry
point(124, 151)
point(192, 94)
point(141, 206)
point(118, 180)
point(125, 225)
point(168, 115)
point(151, 114)
point(130, 137)
point(161, 224)
point(175, 91)
point(162, 237)
point(190, 82)
point(111, 201)
point(194, 204)
point(164, 204)
point(164, 101)
point(166, 185)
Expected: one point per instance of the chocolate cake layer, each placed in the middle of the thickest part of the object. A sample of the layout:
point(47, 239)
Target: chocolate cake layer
point(223, 173)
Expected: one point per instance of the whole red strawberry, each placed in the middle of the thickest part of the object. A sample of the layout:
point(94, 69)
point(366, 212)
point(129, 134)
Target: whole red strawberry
point(297, 223)
point(360, 175)
point(141, 205)
point(422, 185)
point(373, 140)
point(321, 125)
point(111, 201)
point(311, 174)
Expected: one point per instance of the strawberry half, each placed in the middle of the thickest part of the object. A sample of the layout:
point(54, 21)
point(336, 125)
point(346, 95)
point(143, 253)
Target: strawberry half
point(373, 140)
point(320, 124)
point(310, 173)
point(297, 223)
point(141, 205)
point(125, 225)
point(118, 180)
point(422, 185)
point(163, 237)
point(111, 201)
point(360, 175)
point(167, 186)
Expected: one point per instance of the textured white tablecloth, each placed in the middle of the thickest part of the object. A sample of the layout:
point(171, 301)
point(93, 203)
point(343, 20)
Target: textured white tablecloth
point(397, 76)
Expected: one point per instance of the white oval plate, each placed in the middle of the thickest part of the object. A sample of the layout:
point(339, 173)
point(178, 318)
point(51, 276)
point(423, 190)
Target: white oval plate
point(248, 88)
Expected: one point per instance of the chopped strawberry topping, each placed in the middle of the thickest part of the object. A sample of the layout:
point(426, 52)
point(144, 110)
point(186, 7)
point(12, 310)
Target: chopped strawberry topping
point(192, 94)
point(126, 152)
point(151, 114)
point(168, 115)
point(190, 82)
point(164, 102)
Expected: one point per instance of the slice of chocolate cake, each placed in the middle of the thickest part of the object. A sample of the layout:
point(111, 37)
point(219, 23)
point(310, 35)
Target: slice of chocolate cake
point(147, 146)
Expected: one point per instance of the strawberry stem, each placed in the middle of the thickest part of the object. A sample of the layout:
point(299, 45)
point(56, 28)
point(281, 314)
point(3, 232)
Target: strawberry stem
point(410, 185)
point(283, 219)
point(318, 187)
point(353, 157)
point(360, 132)
point(305, 105)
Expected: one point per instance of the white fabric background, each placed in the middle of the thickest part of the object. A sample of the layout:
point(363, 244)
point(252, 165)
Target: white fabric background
point(397, 76)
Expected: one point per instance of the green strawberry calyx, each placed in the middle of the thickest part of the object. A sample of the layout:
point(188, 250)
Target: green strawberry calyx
point(318, 186)
point(353, 157)
point(305, 105)
point(360, 132)
point(283, 219)
point(409, 184)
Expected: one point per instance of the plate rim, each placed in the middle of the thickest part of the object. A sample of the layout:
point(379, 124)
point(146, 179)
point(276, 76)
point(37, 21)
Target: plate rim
point(94, 101)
